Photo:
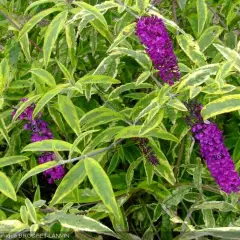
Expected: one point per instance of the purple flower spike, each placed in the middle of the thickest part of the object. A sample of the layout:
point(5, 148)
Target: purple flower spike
point(217, 156)
point(39, 132)
point(213, 150)
point(153, 34)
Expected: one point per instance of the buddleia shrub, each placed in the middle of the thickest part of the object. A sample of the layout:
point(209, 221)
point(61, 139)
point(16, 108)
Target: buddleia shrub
point(119, 119)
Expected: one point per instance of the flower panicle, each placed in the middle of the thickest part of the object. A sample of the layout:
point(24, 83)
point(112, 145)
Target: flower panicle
point(153, 34)
point(39, 132)
point(214, 151)
point(147, 150)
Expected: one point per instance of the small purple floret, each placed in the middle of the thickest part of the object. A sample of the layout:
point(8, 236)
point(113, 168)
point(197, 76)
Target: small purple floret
point(153, 34)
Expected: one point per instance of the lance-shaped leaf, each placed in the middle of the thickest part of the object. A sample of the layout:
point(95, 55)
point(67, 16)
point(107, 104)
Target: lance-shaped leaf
point(222, 105)
point(6, 161)
point(69, 113)
point(202, 14)
point(36, 19)
point(52, 33)
point(49, 146)
point(6, 187)
point(103, 187)
point(36, 170)
point(44, 76)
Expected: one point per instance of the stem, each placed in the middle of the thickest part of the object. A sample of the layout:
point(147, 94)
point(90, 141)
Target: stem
point(149, 217)
point(19, 28)
point(217, 16)
point(156, 81)
point(92, 154)
point(174, 11)
point(179, 158)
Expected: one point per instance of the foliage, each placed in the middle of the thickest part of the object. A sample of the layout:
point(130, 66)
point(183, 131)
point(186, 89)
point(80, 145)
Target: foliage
point(83, 66)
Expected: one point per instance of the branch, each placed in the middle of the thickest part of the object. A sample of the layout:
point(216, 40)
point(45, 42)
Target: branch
point(179, 158)
point(19, 28)
point(174, 11)
point(92, 154)
point(217, 16)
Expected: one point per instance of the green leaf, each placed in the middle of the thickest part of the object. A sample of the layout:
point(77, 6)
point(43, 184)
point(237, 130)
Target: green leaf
point(197, 177)
point(208, 218)
point(35, 19)
point(194, 91)
point(99, 116)
point(47, 97)
point(236, 152)
point(37, 3)
point(199, 76)
point(209, 36)
point(31, 210)
point(94, 11)
point(108, 66)
point(64, 70)
point(214, 89)
point(153, 120)
point(192, 49)
point(4, 74)
point(44, 76)
point(69, 113)
point(130, 172)
point(143, 77)
point(134, 131)
point(71, 180)
point(23, 214)
point(94, 79)
point(4, 131)
point(142, 5)
point(102, 185)
point(6, 161)
point(176, 103)
point(71, 43)
point(126, 32)
point(84, 223)
point(182, 4)
point(221, 206)
point(163, 168)
point(36, 170)
point(126, 87)
point(202, 11)
point(6, 187)
point(220, 232)
point(79, 139)
point(49, 146)
point(115, 160)
point(98, 25)
point(139, 56)
point(24, 42)
point(57, 118)
point(105, 136)
point(8, 225)
point(223, 72)
point(52, 33)
point(177, 195)
point(24, 105)
point(230, 55)
point(224, 104)
point(148, 170)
